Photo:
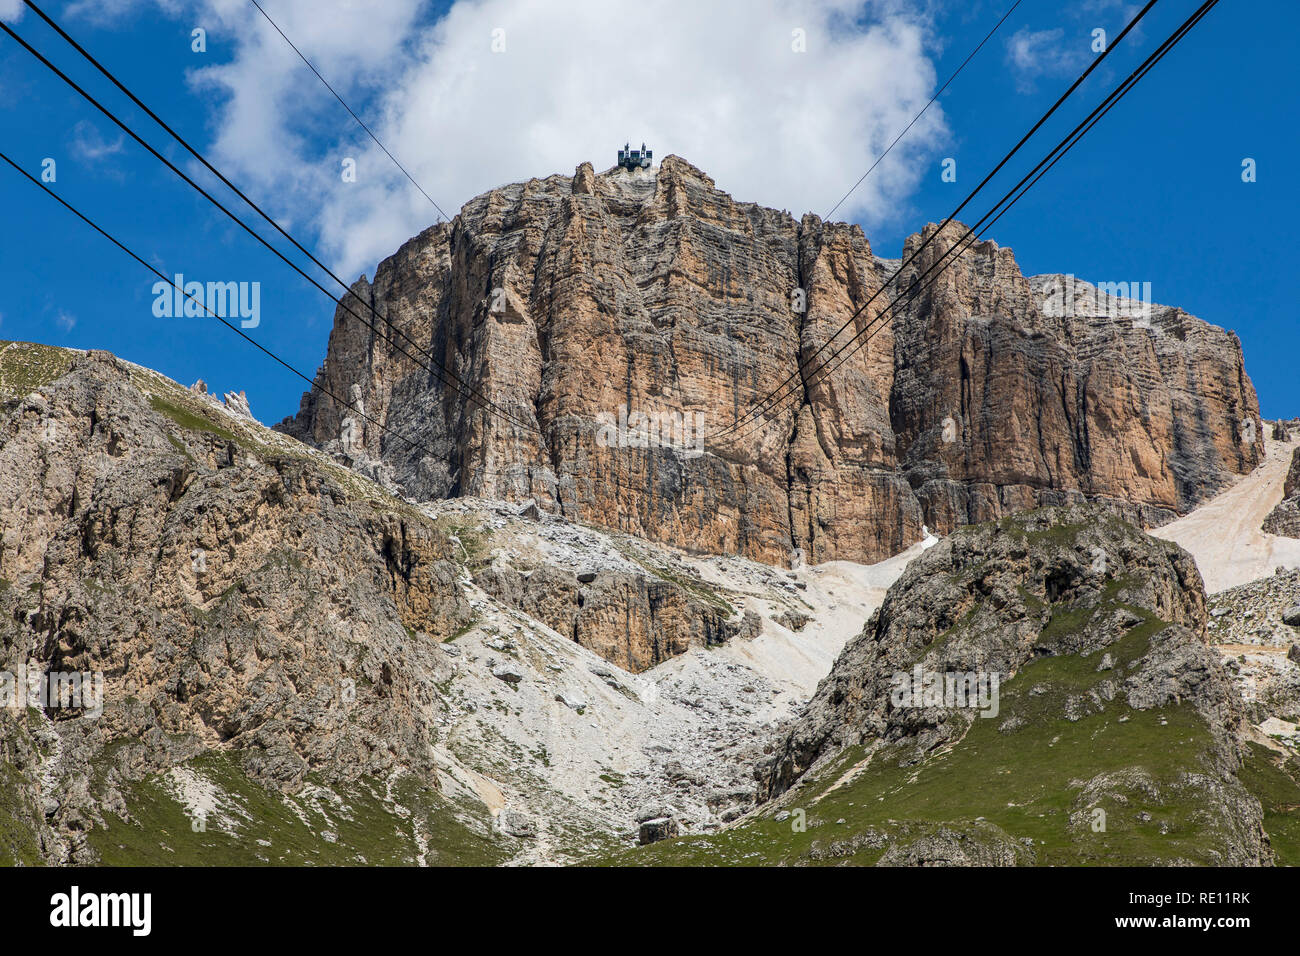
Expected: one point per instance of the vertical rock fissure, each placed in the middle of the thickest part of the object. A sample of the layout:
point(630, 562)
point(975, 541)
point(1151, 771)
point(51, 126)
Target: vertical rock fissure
point(801, 273)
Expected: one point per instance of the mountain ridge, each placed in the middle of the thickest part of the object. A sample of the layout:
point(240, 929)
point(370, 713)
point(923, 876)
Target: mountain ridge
point(296, 666)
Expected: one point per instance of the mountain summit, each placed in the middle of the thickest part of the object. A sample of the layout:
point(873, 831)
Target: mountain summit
point(589, 307)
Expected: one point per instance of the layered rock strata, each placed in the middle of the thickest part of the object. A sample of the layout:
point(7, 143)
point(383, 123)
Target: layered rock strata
point(605, 337)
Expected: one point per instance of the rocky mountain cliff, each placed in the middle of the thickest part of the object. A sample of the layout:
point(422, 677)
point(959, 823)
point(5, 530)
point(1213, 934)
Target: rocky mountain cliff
point(574, 302)
point(984, 599)
point(235, 597)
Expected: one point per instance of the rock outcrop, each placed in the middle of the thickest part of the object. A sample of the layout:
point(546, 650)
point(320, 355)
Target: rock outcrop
point(1285, 518)
point(1256, 627)
point(285, 663)
point(620, 325)
point(633, 620)
point(1095, 638)
point(1255, 613)
point(218, 595)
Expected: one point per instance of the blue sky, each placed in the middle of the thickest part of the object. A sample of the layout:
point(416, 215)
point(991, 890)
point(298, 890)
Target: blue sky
point(1152, 194)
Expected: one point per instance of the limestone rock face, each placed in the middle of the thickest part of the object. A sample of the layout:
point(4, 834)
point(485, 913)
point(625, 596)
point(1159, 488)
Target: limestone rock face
point(633, 620)
point(232, 596)
point(1052, 396)
point(980, 600)
point(619, 325)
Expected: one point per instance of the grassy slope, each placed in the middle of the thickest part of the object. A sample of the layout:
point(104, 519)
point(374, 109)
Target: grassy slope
point(1275, 780)
point(255, 826)
point(1006, 788)
point(18, 844)
point(25, 367)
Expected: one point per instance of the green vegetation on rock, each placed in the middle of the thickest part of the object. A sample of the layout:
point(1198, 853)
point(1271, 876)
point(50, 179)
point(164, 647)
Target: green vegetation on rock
point(347, 825)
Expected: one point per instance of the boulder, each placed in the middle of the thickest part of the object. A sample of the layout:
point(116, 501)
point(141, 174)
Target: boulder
point(660, 828)
point(508, 672)
point(515, 824)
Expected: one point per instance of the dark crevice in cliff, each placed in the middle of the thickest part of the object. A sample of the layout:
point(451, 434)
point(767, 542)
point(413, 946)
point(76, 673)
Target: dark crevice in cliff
point(967, 399)
point(802, 276)
point(1079, 427)
point(541, 311)
point(1045, 457)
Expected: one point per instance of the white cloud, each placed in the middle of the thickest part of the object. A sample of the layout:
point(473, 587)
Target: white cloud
point(1041, 53)
point(65, 320)
point(11, 10)
point(1065, 51)
point(717, 83)
point(89, 144)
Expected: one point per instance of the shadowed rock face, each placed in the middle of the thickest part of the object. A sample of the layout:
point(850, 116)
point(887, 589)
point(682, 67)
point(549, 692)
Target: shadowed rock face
point(563, 300)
